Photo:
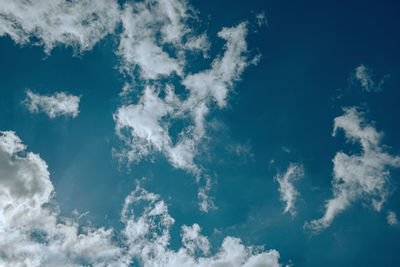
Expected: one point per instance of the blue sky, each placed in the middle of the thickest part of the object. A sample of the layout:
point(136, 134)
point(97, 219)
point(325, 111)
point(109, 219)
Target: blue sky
point(191, 133)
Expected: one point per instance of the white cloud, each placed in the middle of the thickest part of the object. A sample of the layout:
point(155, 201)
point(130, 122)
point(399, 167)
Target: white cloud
point(363, 75)
point(193, 241)
point(80, 24)
point(150, 25)
point(34, 234)
point(145, 122)
point(206, 202)
point(217, 81)
point(286, 188)
point(59, 104)
point(392, 218)
point(359, 176)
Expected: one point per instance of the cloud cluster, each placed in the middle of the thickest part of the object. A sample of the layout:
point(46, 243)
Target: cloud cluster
point(32, 233)
point(59, 104)
point(358, 176)
point(77, 23)
point(287, 190)
point(149, 120)
point(155, 44)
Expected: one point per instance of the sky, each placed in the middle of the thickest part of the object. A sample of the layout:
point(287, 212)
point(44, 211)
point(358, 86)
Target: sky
point(198, 133)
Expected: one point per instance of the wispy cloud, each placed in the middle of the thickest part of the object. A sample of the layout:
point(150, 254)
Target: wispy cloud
point(59, 104)
point(361, 80)
point(261, 19)
point(392, 218)
point(359, 176)
point(364, 76)
point(287, 189)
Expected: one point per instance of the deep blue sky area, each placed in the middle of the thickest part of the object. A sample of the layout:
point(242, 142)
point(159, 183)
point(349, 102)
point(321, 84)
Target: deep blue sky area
point(281, 111)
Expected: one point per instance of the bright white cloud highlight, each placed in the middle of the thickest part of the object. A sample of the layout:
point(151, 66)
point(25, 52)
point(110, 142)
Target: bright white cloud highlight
point(34, 234)
point(59, 104)
point(288, 192)
point(80, 24)
point(392, 218)
point(360, 176)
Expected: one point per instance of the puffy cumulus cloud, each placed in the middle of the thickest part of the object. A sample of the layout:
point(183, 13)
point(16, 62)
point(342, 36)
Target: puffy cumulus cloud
point(80, 24)
point(364, 76)
point(33, 234)
point(30, 233)
point(59, 104)
point(392, 218)
point(287, 190)
point(359, 176)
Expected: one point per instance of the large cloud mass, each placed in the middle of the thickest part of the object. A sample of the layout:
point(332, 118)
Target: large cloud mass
point(154, 45)
point(34, 234)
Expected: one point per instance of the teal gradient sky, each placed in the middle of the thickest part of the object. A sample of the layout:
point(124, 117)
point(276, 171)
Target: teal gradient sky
point(280, 111)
